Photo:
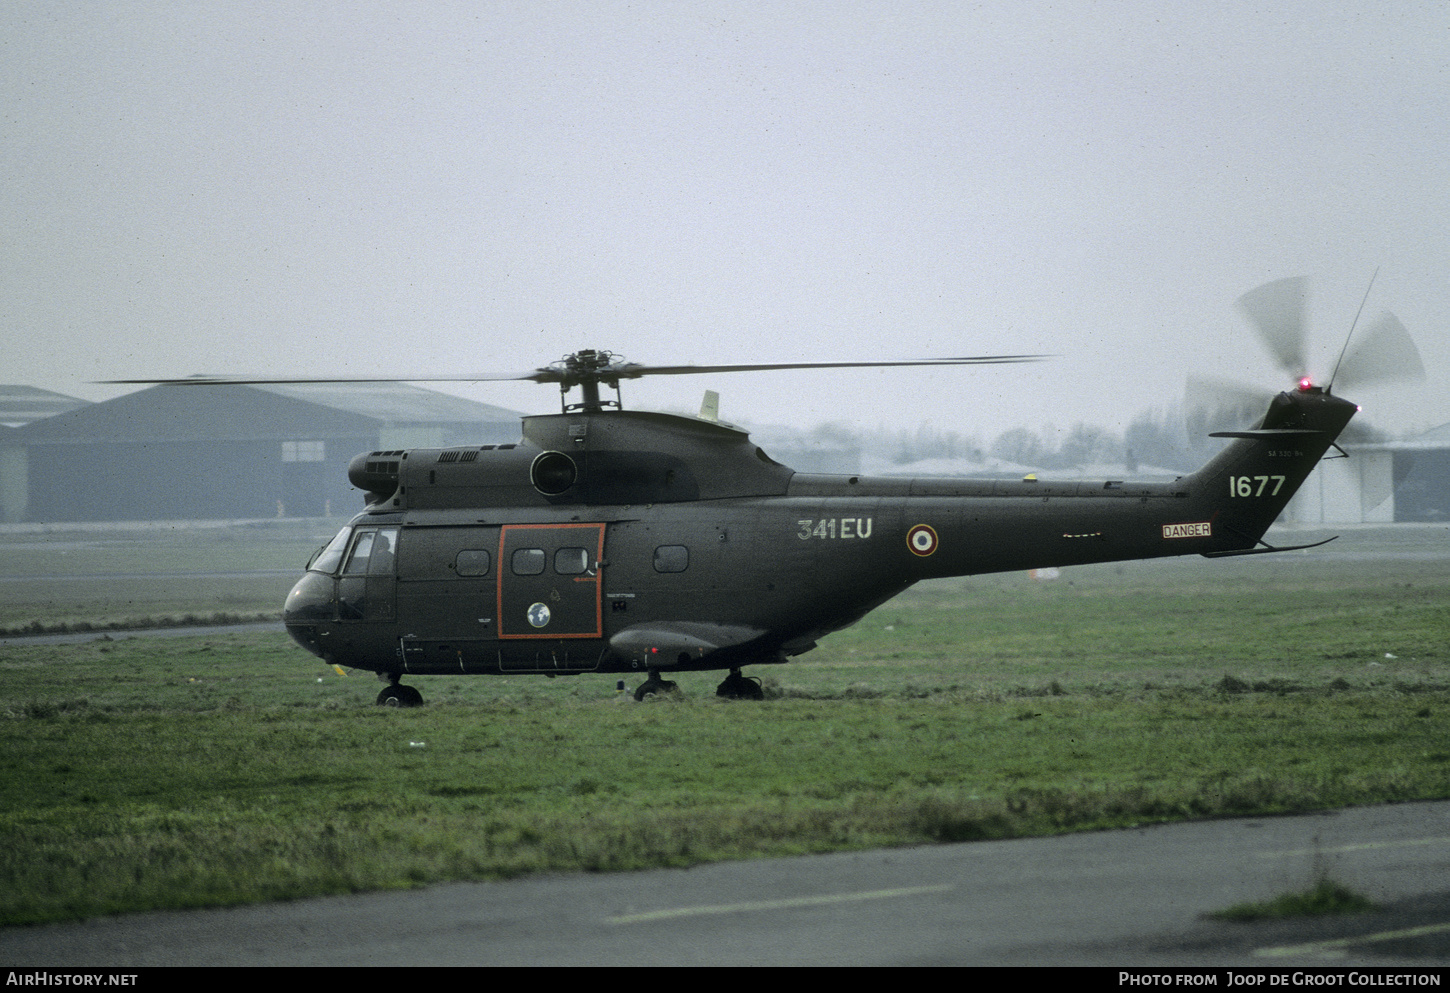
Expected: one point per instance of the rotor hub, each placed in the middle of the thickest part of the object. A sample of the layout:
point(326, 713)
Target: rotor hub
point(586, 369)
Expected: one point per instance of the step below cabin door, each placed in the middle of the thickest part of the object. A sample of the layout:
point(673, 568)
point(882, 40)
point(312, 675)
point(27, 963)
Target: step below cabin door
point(550, 584)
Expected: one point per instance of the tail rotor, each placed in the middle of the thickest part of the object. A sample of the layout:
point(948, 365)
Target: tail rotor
point(1383, 353)
point(1277, 312)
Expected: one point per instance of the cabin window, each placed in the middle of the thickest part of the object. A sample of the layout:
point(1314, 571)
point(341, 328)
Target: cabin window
point(672, 558)
point(330, 556)
point(529, 561)
point(472, 562)
point(571, 561)
point(429, 553)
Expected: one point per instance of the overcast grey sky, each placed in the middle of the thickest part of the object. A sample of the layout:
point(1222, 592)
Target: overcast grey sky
point(396, 188)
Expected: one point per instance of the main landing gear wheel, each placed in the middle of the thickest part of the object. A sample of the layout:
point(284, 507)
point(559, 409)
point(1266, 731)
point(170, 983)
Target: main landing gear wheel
point(398, 695)
point(738, 687)
point(654, 686)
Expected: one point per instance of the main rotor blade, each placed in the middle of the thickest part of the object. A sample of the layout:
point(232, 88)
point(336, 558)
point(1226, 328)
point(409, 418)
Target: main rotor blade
point(1276, 310)
point(204, 380)
point(635, 371)
point(602, 373)
point(1384, 353)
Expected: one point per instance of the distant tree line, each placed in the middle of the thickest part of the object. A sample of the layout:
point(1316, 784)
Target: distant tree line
point(1163, 439)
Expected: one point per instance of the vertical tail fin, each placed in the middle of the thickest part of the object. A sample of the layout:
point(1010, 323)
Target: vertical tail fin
point(1247, 485)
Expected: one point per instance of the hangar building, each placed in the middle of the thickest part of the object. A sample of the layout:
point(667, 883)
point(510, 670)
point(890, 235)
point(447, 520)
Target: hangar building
point(1381, 482)
point(217, 452)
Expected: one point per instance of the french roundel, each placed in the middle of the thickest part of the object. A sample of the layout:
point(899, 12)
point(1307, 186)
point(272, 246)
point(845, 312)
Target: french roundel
point(921, 540)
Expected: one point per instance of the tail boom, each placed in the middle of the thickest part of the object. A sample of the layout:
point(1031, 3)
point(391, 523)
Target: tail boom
point(933, 528)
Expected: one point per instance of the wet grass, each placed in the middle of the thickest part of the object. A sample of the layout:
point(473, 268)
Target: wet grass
point(1325, 899)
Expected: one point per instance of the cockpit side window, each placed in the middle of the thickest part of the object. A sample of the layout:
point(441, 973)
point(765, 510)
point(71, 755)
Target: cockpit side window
point(330, 557)
point(357, 562)
point(373, 553)
point(385, 553)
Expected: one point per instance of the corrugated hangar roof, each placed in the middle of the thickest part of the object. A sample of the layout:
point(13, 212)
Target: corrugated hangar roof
point(179, 412)
point(392, 402)
point(23, 404)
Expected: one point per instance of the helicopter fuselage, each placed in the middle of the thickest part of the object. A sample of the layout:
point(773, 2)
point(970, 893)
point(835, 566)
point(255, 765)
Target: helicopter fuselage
point(623, 541)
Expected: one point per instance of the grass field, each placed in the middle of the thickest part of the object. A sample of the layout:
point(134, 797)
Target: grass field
point(224, 768)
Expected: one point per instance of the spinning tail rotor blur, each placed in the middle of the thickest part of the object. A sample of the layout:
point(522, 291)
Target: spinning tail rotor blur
point(1381, 354)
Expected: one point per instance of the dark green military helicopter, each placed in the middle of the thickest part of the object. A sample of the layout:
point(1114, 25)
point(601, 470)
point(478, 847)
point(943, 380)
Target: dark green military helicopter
point(621, 541)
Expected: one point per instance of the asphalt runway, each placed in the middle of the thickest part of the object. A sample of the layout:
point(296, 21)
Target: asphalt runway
point(1134, 897)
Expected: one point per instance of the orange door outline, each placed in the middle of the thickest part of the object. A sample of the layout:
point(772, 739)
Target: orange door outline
point(593, 577)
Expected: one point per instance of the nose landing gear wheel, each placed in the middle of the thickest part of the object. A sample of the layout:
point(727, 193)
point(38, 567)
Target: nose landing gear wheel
point(398, 695)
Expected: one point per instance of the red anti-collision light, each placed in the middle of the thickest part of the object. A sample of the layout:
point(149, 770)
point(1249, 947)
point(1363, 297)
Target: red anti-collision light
point(1305, 384)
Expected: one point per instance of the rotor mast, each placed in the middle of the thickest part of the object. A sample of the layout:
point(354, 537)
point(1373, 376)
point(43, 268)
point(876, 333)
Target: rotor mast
point(586, 369)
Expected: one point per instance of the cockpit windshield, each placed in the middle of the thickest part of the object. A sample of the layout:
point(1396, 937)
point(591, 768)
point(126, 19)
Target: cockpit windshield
point(330, 557)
